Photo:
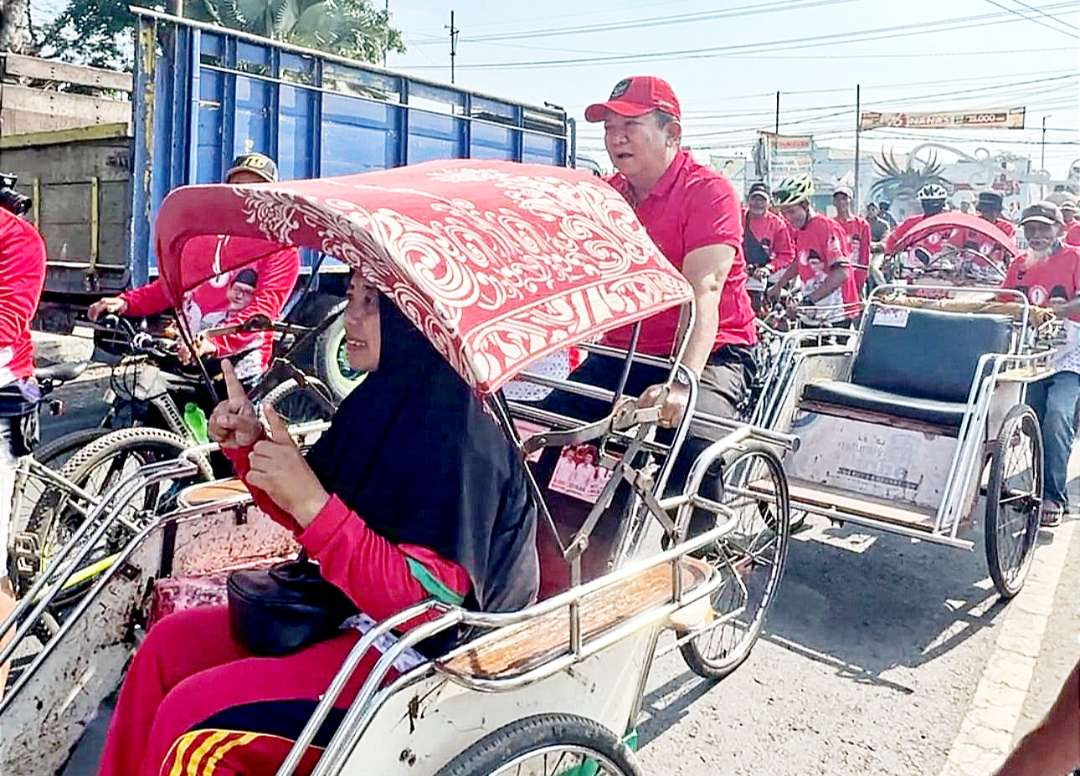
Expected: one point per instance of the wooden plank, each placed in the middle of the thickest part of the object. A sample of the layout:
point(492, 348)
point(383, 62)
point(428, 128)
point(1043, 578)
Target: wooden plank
point(825, 497)
point(115, 130)
point(530, 643)
point(1025, 374)
point(34, 110)
point(64, 72)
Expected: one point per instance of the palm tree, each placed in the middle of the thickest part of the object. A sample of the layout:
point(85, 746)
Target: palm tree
point(899, 185)
point(15, 26)
point(349, 28)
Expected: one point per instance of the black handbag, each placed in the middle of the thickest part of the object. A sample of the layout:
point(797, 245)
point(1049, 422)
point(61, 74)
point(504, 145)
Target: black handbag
point(281, 609)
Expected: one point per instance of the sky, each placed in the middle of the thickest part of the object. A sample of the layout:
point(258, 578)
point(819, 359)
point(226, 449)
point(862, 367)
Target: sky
point(921, 55)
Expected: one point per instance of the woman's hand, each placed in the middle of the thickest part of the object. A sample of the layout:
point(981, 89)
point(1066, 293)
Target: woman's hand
point(110, 305)
point(280, 471)
point(234, 422)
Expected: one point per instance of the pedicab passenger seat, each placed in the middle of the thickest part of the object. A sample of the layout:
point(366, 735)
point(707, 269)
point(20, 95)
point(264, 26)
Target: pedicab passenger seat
point(511, 651)
point(918, 366)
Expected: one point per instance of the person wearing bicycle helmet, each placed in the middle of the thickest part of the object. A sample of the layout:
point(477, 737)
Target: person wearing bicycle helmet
point(932, 198)
point(277, 271)
point(22, 278)
point(857, 230)
point(822, 262)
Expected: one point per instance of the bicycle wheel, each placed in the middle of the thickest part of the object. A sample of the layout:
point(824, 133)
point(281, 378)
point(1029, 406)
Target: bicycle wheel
point(546, 745)
point(750, 560)
point(1014, 493)
point(95, 469)
point(300, 403)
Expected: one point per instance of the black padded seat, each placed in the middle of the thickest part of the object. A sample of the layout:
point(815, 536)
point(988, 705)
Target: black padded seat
point(917, 364)
point(932, 411)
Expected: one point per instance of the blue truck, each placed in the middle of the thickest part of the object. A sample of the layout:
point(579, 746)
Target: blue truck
point(202, 94)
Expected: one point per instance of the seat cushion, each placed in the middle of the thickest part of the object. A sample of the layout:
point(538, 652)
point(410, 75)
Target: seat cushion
point(926, 354)
point(933, 411)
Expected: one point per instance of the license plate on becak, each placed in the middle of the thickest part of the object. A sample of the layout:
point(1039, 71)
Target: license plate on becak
point(579, 474)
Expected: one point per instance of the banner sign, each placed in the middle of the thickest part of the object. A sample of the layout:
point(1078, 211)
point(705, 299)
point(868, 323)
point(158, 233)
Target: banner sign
point(788, 154)
point(1004, 118)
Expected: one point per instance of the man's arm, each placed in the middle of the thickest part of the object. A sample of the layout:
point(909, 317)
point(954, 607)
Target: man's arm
point(790, 271)
point(707, 270)
point(1054, 746)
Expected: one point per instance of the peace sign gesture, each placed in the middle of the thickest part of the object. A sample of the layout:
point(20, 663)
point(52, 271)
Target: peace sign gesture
point(234, 422)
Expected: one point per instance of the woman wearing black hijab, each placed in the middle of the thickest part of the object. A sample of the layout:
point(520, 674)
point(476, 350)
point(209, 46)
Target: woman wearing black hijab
point(412, 493)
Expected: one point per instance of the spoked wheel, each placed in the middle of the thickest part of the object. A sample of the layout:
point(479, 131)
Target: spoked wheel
point(95, 469)
point(750, 561)
point(300, 403)
point(546, 745)
point(1014, 492)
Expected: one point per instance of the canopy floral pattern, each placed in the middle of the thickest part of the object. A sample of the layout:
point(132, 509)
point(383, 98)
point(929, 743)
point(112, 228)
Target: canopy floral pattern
point(499, 264)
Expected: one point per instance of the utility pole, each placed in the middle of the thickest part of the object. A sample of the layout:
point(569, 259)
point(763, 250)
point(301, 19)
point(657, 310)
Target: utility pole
point(453, 46)
point(1042, 159)
point(774, 149)
point(858, 160)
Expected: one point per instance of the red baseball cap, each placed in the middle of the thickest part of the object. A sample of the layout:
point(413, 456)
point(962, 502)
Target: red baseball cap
point(636, 96)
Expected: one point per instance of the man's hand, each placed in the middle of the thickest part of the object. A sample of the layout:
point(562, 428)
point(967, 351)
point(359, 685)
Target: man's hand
point(280, 471)
point(674, 402)
point(203, 347)
point(234, 422)
point(110, 305)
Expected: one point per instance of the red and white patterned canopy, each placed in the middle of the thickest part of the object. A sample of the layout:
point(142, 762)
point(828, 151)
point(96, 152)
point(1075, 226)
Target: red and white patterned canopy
point(499, 264)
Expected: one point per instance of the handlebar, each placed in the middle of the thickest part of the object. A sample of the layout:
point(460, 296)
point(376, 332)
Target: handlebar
point(254, 324)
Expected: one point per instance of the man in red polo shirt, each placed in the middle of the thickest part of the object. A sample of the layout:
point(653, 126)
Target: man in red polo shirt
point(822, 260)
point(693, 215)
point(774, 250)
point(1072, 226)
point(989, 209)
point(857, 230)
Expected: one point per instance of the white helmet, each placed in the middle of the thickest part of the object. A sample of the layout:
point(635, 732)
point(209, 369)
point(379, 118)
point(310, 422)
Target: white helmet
point(932, 191)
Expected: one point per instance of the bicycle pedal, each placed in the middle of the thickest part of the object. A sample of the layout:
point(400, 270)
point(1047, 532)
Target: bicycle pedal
point(27, 543)
point(26, 552)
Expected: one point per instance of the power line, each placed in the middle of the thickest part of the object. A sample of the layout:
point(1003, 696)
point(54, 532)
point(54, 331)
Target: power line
point(815, 41)
point(1025, 17)
point(1041, 12)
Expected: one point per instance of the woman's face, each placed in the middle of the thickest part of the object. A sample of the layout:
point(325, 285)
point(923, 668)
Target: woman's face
point(362, 340)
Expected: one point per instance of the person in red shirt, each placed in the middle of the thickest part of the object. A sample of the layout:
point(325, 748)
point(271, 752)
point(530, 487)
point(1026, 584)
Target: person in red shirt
point(693, 215)
point(857, 230)
point(1071, 225)
point(277, 272)
point(822, 260)
point(932, 198)
point(1049, 275)
point(22, 277)
point(774, 250)
point(988, 207)
point(195, 698)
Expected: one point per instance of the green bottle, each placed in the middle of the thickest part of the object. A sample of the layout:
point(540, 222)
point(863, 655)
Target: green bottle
point(195, 420)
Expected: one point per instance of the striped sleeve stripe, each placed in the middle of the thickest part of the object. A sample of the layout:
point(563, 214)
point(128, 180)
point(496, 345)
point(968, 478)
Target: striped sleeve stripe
point(432, 584)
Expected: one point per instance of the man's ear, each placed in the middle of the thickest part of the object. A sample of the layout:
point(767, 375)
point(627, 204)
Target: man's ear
point(674, 133)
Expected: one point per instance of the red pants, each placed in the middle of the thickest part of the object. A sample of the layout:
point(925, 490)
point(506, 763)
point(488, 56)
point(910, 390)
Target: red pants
point(196, 703)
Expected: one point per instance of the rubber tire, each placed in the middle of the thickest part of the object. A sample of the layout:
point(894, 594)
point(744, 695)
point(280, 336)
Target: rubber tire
point(67, 445)
point(327, 357)
point(79, 467)
point(532, 734)
point(994, 484)
point(312, 411)
point(695, 660)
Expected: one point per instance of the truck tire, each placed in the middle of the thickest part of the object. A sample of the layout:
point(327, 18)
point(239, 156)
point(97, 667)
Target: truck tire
point(331, 362)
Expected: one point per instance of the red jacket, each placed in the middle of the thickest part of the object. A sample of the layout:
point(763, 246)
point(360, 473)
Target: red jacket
point(22, 276)
point(277, 273)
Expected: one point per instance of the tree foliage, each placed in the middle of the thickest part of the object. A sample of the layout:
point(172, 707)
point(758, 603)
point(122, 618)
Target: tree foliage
point(98, 32)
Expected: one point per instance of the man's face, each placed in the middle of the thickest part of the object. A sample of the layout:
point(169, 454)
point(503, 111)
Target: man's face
point(989, 212)
point(244, 176)
point(965, 207)
point(1068, 215)
point(1040, 237)
point(638, 146)
point(240, 296)
point(872, 211)
point(842, 202)
point(757, 205)
point(796, 215)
